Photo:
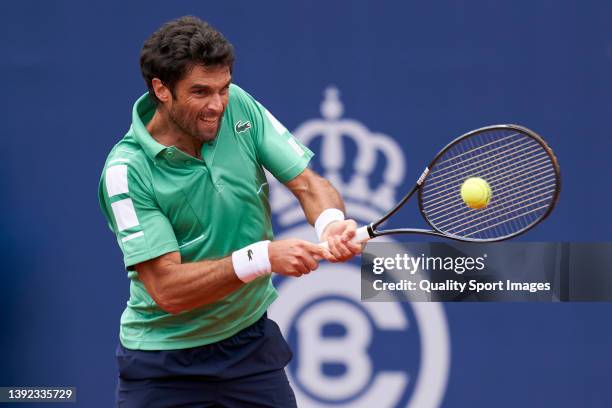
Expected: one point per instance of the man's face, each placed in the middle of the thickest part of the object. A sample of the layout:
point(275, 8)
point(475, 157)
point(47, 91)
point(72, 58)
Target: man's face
point(200, 100)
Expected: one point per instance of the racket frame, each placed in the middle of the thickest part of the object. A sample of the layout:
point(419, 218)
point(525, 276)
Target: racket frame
point(373, 231)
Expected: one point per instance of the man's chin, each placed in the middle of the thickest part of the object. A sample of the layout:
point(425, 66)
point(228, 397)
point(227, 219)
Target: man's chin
point(207, 136)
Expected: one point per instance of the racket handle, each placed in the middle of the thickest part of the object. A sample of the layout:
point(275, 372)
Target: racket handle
point(361, 235)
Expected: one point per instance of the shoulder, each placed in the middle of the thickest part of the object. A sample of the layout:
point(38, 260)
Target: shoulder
point(127, 150)
point(237, 94)
point(240, 102)
point(243, 102)
point(126, 158)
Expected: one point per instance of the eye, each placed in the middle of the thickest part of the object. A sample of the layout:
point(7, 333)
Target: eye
point(224, 90)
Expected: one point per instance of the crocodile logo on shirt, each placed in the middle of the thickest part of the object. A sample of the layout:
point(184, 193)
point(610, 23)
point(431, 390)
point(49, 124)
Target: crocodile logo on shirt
point(241, 127)
point(250, 254)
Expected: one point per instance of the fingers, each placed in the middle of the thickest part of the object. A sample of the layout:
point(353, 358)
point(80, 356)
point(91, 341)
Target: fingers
point(342, 246)
point(294, 257)
point(319, 251)
point(302, 262)
point(338, 248)
point(338, 237)
point(354, 247)
point(350, 230)
point(309, 261)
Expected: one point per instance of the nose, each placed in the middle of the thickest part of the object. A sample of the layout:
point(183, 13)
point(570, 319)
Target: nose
point(215, 103)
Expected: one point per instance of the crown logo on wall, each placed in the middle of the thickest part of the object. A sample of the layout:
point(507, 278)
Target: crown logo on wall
point(363, 200)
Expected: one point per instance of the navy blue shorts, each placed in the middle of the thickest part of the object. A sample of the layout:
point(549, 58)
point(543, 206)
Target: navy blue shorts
point(245, 370)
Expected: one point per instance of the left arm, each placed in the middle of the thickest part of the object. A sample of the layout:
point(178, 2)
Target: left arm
point(287, 159)
point(315, 195)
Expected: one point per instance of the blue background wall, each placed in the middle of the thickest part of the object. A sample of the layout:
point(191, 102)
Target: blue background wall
point(422, 72)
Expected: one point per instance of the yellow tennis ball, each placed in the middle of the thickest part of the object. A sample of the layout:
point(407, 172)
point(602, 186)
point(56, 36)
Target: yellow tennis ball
point(476, 193)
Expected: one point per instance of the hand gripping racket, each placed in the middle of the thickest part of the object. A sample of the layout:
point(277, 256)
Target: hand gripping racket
point(517, 164)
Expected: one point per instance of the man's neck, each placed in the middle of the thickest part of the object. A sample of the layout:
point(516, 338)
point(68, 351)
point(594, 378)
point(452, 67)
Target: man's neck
point(165, 132)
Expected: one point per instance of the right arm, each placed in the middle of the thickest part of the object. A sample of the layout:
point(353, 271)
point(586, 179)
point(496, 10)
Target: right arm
point(148, 243)
point(177, 287)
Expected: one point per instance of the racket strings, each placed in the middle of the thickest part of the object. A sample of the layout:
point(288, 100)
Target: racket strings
point(502, 148)
point(539, 209)
point(462, 212)
point(500, 168)
point(467, 171)
point(507, 203)
point(436, 207)
point(473, 150)
point(519, 170)
point(493, 178)
point(504, 211)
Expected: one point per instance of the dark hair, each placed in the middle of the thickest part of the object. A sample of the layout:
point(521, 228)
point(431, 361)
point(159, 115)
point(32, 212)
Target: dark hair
point(179, 45)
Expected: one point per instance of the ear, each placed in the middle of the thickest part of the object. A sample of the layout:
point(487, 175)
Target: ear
point(161, 91)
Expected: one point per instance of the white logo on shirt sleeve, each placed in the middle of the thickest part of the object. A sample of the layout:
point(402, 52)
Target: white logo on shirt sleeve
point(295, 146)
point(116, 180)
point(280, 129)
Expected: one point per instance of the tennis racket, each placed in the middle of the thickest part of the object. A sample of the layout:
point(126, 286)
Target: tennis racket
point(520, 168)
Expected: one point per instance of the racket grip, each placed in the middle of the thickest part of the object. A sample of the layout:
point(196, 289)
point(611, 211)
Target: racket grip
point(361, 235)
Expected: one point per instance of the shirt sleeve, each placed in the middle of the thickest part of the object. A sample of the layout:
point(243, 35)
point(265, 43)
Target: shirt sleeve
point(143, 231)
point(277, 149)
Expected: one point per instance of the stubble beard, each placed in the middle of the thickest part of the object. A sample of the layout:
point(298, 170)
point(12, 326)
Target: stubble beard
point(189, 126)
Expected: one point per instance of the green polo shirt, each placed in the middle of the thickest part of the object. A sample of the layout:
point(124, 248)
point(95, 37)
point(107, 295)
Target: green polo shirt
point(158, 199)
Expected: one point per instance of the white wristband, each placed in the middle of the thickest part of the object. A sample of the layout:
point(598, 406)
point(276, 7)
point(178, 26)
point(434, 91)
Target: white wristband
point(252, 261)
point(327, 217)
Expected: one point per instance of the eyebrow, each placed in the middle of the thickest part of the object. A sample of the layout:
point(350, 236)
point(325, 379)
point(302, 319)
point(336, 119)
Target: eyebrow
point(208, 87)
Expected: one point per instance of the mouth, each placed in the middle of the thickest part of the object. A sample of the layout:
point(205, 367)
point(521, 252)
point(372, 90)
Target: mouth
point(210, 121)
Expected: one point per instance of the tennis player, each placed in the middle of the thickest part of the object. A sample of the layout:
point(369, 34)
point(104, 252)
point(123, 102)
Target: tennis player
point(186, 195)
